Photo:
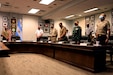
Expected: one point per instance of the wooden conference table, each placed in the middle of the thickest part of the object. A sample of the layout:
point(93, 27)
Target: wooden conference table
point(92, 58)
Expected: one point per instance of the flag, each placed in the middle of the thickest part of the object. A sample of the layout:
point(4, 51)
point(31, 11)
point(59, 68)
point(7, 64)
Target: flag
point(19, 29)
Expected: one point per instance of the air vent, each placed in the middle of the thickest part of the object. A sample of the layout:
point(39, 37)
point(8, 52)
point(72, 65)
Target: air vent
point(42, 10)
point(34, 0)
point(0, 4)
point(16, 7)
point(50, 7)
point(6, 5)
point(61, 0)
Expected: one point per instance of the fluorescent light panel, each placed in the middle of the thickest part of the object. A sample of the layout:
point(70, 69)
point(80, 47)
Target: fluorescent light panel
point(90, 10)
point(69, 16)
point(46, 2)
point(79, 15)
point(33, 11)
point(0, 4)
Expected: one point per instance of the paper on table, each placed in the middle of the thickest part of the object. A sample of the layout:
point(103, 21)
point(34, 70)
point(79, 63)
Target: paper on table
point(83, 44)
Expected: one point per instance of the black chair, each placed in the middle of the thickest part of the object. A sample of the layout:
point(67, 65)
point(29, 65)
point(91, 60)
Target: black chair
point(110, 50)
point(44, 38)
point(14, 38)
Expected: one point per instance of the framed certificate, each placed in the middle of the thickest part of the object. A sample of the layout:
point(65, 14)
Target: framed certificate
point(5, 18)
point(4, 24)
point(46, 30)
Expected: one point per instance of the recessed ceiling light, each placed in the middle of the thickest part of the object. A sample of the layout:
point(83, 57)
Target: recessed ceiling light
point(69, 16)
point(90, 10)
point(28, 6)
point(33, 11)
point(54, 4)
point(46, 2)
point(0, 4)
point(79, 15)
point(61, 0)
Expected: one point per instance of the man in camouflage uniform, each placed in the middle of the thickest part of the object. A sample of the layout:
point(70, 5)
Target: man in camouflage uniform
point(76, 35)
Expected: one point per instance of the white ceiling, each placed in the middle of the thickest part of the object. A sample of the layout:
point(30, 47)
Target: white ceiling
point(58, 9)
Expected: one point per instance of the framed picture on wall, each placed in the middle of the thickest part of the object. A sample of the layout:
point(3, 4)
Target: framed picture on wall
point(87, 20)
point(5, 18)
point(92, 18)
point(46, 30)
point(4, 24)
point(41, 25)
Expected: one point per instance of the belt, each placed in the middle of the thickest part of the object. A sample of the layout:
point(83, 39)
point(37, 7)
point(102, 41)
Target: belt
point(53, 36)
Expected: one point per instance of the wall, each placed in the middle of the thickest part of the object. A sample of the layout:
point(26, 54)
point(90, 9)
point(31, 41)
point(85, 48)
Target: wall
point(30, 24)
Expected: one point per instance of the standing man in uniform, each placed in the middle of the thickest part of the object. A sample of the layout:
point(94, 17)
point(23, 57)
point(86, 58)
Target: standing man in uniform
point(103, 30)
point(6, 33)
point(76, 35)
point(62, 33)
point(53, 33)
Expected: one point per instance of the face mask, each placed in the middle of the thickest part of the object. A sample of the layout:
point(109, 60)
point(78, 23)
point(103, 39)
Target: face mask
point(39, 28)
point(76, 24)
point(88, 25)
point(51, 26)
point(101, 18)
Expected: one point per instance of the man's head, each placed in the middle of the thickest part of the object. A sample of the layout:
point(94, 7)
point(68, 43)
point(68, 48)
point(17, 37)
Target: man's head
point(66, 31)
point(102, 16)
point(60, 24)
point(76, 23)
point(52, 26)
point(39, 27)
point(87, 25)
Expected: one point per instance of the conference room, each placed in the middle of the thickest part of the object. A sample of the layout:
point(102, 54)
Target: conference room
point(48, 41)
